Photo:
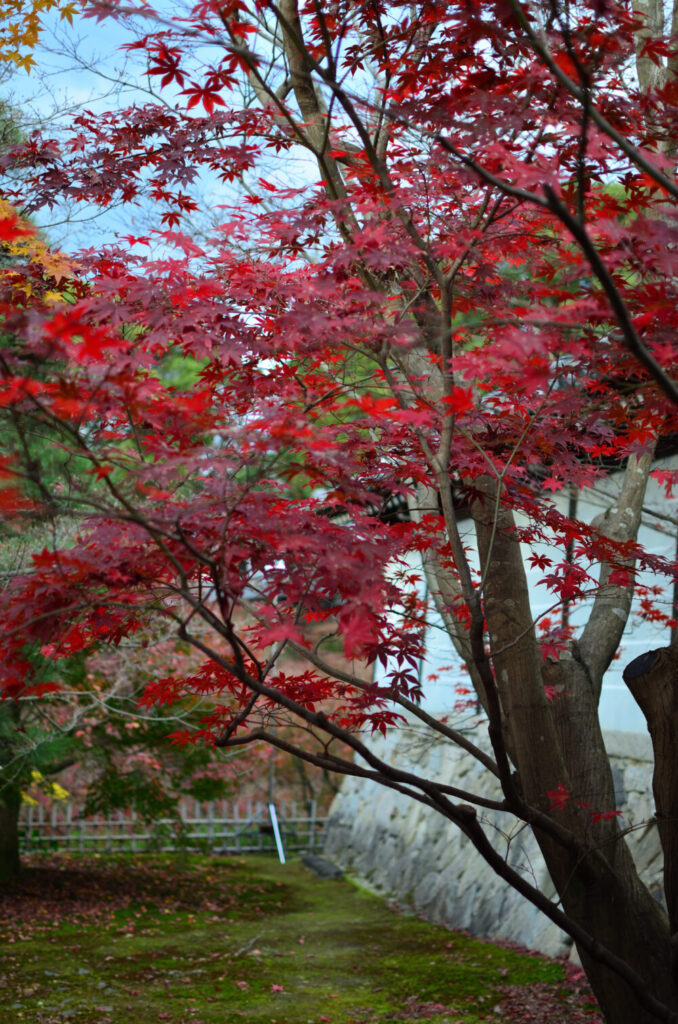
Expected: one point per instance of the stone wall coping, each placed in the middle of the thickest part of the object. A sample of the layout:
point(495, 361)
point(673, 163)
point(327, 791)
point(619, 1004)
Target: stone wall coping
point(631, 746)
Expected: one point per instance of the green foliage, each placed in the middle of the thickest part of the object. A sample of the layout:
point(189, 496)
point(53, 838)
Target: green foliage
point(153, 787)
point(116, 789)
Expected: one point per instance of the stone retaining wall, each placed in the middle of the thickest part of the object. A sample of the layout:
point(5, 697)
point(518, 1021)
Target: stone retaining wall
point(400, 848)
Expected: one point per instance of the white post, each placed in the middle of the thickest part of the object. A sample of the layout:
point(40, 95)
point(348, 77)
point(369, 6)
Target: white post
point(276, 832)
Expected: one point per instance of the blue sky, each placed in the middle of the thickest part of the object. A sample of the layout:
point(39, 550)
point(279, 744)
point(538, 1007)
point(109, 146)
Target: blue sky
point(78, 67)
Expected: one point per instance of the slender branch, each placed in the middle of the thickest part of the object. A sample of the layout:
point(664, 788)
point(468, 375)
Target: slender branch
point(335, 763)
point(615, 298)
point(418, 712)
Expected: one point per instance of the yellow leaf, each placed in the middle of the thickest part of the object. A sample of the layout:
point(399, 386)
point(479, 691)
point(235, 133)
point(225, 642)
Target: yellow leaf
point(67, 13)
point(33, 249)
point(15, 37)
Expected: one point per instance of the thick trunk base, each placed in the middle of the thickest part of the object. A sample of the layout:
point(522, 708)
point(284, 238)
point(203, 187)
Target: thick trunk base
point(610, 902)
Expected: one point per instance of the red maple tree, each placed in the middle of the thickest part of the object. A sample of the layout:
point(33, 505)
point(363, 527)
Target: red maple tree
point(468, 305)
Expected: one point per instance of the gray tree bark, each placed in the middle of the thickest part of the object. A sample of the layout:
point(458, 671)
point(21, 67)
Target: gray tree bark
point(653, 680)
point(560, 743)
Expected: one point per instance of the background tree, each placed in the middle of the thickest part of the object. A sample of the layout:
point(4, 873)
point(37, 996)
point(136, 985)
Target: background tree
point(448, 319)
point(27, 749)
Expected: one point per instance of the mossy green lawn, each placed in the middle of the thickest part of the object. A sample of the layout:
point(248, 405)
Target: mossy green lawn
point(207, 940)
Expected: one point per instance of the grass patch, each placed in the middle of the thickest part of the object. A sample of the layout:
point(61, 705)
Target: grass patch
point(219, 940)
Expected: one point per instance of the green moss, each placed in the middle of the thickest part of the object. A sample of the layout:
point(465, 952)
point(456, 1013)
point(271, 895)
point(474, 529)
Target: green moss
point(290, 948)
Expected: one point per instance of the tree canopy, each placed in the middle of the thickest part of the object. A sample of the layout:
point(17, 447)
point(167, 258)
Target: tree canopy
point(440, 291)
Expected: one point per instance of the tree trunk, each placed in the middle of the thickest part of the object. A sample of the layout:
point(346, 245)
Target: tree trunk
point(559, 743)
point(602, 891)
point(630, 923)
point(653, 680)
point(10, 791)
point(10, 803)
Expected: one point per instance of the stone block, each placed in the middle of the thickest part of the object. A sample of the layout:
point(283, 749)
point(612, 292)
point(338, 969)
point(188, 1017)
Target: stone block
point(637, 779)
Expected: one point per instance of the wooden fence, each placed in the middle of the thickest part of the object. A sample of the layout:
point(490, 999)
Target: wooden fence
point(216, 827)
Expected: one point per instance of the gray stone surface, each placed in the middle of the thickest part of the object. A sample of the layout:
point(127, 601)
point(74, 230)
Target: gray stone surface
point(403, 849)
point(632, 746)
point(320, 866)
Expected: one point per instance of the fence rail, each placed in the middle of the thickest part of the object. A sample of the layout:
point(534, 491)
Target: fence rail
point(212, 827)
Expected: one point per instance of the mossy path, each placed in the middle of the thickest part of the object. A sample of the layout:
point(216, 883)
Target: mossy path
point(220, 940)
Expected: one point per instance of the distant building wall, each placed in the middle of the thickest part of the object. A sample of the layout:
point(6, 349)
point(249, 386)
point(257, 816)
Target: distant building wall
point(404, 850)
